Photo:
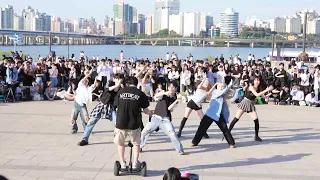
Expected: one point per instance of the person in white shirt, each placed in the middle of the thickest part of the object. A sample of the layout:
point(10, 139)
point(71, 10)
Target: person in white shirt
point(220, 75)
point(117, 68)
point(167, 57)
point(121, 56)
point(312, 100)
point(102, 72)
point(297, 96)
point(82, 98)
point(185, 79)
point(304, 76)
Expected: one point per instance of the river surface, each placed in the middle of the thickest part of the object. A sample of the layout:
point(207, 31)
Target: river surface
point(151, 52)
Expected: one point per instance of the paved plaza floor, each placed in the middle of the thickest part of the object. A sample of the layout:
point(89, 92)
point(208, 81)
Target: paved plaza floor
point(35, 143)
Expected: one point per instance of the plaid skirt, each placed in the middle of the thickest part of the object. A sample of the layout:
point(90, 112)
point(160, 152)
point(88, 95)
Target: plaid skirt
point(247, 105)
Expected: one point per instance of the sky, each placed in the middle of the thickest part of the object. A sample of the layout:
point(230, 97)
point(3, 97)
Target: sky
point(73, 9)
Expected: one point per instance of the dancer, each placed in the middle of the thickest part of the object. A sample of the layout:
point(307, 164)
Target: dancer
point(195, 103)
point(162, 117)
point(247, 105)
point(82, 98)
point(104, 109)
point(218, 111)
point(129, 102)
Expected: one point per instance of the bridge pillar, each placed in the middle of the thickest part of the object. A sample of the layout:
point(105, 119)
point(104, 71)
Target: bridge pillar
point(167, 43)
point(203, 43)
point(191, 43)
point(1, 42)
point(6, 40)
point(296, 45)
point(153, 43)
point(137, 42)
point(179, 42)
point(252, 44)
point(228, 44)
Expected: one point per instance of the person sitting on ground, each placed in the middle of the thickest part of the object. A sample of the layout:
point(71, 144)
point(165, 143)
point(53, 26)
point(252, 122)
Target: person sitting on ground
point(285, 96)
point(50, 92)
point(312, 100)
point(297, 96)
point(175, 174)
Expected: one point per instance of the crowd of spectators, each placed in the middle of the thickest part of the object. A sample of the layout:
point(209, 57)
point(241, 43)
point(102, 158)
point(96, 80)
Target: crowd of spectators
point(52, 78)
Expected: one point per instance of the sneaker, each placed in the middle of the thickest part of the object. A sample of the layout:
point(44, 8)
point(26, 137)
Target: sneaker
point(123, 165)
point(74, 131)
point(206, 136)
point(232, 146)
point(83, 143)
point(192, 145)
point(181, 153)
point(157, 129)
point(257, 138)
point(136, 165)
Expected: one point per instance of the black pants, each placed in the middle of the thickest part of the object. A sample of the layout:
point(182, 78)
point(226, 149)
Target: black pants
point(204, 126)
point(103, 82)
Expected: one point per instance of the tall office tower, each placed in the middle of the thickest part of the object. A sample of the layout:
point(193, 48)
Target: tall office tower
point(230, 23)
point(163, 9)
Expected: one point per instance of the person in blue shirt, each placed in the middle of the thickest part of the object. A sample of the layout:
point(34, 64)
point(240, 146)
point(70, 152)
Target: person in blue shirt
point(218, 111)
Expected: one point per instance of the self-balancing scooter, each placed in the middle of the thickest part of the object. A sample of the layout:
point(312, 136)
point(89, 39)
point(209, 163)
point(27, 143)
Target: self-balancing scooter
point(142, 169)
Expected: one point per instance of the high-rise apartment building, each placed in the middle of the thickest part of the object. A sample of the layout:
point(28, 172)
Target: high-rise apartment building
point(278, 24)
point(141, 23)
point(191, 24)
point(0, 18)
point(28, 15)
point(313, 26)
point(176, 23)
point(163, 9)
point(7, 15)
point(293, 25)
point(229, 23)
point(149, 24)
point(123, 16)
point(209, 23)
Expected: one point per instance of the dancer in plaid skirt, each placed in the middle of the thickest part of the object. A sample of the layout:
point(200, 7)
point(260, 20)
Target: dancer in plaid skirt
point(104, 109)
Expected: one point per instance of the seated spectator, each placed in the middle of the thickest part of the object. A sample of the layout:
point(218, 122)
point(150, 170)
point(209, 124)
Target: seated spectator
point(285, 96)
point(50, 93)
point(297, 96)
point(273, 97)
point(312, 100)
point(174, 174)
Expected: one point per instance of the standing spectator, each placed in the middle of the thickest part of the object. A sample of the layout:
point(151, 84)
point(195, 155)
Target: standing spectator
point(54, 75)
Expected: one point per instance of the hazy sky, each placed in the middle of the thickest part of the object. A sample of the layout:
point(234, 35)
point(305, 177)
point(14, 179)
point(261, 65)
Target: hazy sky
point(263, 9)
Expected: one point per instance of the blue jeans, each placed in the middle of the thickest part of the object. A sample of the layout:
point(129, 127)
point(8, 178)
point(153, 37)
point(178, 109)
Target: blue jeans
point(83, 111)
point(54, 81)
point(92, 122)
point(166, 126)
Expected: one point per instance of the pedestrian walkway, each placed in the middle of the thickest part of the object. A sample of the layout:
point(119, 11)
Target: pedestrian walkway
point(36, 144)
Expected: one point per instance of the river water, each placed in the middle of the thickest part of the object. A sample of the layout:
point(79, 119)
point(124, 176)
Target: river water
point(151, 52)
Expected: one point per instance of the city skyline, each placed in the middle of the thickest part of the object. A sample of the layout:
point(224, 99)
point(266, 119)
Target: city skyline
point(85, 9)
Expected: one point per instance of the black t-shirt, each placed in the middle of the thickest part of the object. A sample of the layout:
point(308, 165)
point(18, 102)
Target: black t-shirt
point(129, 102)
point(162, 106)
point(107, 97)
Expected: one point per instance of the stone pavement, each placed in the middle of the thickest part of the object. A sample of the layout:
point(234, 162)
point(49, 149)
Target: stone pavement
point(35, 143)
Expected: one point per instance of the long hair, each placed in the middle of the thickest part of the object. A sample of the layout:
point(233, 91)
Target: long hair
point(172, 174)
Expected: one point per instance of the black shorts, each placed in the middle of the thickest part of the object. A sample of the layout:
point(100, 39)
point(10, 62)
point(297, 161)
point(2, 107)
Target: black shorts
point(192, 105)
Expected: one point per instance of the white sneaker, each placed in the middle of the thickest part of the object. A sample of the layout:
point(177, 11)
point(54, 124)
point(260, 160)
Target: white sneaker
point(136, 165)
point(124, 165)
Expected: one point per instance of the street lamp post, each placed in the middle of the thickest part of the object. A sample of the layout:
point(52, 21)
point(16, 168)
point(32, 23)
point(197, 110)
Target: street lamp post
point(305, 31)
point(50, 42)
point(68, 43)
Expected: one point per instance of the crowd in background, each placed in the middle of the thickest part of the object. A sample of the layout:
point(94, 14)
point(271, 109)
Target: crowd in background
point(52, 78)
